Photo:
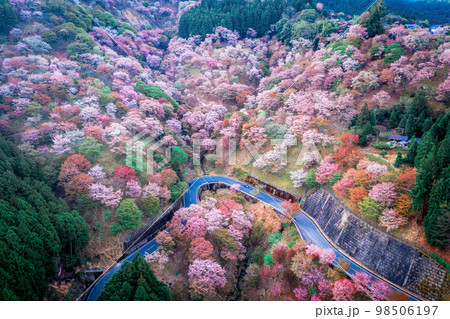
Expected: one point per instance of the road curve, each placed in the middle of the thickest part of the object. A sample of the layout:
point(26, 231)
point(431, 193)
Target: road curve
point(308, 230)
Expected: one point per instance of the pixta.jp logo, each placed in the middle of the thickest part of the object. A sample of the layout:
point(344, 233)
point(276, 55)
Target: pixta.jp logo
point(141, 150)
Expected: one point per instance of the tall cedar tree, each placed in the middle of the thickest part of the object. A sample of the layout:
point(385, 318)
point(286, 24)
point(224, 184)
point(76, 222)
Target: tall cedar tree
point(439, 211)
point(374, 25)
point(135, 281)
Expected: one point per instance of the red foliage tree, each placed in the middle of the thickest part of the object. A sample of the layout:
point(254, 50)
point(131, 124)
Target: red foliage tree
point(342, 187)
point(168, 176)
point(124, 174)
point(200, 249)
point(357, 194)
point(349, 140)
point(407, 179)
point(290, 209)
point(104, 119)
point(279, 254)
point(78, 161)
point(95, 132)
point(78, 185)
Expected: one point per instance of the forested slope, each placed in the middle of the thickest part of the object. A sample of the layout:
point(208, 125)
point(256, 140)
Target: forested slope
point(434, 11)
point(36, 229)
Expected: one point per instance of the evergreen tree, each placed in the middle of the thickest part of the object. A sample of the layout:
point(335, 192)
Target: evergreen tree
point(8, 18)
point(151, 206)
point(393, 119)
point(237, 15)
point(135, 281)
point(424, 147)
point(418, 104)
point(419, 124)
point(424, 181)
point(73, 234)
point(443, 154)
point(398, 160)
point(374, 25)
point(363, 136)
point(427, 124)
point(310, 179)
point(128, 214)
point(402, 123)
point(363, 116)
point(410, 128)
point(412, 151)
point(178, 157)
point(439, 207)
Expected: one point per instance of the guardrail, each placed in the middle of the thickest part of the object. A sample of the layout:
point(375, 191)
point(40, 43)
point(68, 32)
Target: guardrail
point(139, 241)
point(132, 239)
point(276, 191)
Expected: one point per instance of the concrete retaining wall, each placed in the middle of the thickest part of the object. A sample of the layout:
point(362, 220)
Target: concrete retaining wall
point(390, 258)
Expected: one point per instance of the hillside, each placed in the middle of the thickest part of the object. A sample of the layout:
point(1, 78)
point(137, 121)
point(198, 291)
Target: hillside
point(121, 103)
point(435, 11)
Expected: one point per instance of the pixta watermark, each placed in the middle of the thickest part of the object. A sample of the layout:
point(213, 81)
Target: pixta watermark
point(149, 153)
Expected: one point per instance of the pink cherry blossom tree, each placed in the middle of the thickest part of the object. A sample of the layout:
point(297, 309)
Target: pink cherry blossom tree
point(392, 219)
point(61, 144)
point(195, 228)
point(206, 273)
point(443, 91)
point(376, 169)
point(342, 187)
point(134, 190)
point(381, 98)
point(343, 290)
point(298, 177)
point(362, 281)
point(379, 290)
point(383, 193)
point(97, 172)
point(325, 171)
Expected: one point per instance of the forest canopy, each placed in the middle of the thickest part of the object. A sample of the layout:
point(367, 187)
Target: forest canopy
point(436, 12)
point(36, 229)
point(237, 15)
point(135, 281)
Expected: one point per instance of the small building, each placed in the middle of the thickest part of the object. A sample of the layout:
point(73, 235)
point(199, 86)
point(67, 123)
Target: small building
point(397, 138)
point(417, 140)
point(434, 27)
point(411, 26)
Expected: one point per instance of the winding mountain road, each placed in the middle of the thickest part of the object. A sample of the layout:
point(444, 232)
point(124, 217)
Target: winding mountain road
point(306, 226)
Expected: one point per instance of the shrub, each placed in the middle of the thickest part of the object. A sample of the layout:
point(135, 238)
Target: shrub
point(382, 145)
point(155, 93)
point(151, 206)
point(311, 178)
point(107, 214)
point(274, 238)
point(268, 260)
